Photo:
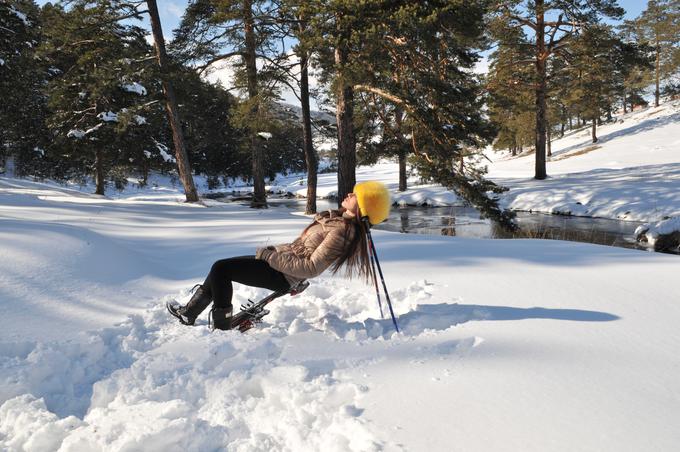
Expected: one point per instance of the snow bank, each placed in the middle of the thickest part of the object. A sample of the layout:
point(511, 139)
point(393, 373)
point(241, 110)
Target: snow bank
point(662, 235)
point(632, 174)
point(151, 384)
point(426, 195)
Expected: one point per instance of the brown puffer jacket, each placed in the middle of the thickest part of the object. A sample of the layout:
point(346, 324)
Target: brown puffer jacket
point(319, 246)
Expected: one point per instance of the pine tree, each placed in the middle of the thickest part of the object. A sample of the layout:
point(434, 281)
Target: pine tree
point(292, 70)
point(171, 104)
point(594, 56)
point(553, 24)
point(23, 108)
point(219, 30)
point(417, 57)
point(335, 38)
point(95, 97)
point(431, 49)
point(659, 25)
point(212, 142)
point(509, 84)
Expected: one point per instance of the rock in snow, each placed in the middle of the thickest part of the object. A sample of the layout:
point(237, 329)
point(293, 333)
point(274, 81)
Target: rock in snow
point(663, 236)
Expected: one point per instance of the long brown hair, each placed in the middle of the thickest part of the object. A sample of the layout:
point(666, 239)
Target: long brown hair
point(355, 258)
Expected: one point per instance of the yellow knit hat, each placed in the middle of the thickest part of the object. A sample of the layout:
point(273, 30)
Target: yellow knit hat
point(374, 201)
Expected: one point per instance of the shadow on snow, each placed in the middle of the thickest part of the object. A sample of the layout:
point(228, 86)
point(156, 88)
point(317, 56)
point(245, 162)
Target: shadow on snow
point(443, 316)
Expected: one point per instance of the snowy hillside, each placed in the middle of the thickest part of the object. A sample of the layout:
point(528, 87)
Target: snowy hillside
point(631, 173)
point(507, 344)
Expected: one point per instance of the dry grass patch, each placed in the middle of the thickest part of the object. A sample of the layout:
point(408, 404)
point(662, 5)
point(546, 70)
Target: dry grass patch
point(574, 154)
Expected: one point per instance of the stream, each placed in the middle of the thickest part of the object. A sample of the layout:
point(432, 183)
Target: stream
point(461, 221)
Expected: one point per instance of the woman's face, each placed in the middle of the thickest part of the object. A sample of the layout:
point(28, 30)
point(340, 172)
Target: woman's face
point(350, 203)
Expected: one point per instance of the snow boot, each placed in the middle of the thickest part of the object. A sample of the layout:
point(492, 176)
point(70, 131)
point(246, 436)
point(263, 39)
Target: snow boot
point(221, 318)
point(187, 314)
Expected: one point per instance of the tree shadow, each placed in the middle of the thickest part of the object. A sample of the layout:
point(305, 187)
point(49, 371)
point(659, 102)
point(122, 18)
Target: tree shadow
point(442, 316)
point(644, 125)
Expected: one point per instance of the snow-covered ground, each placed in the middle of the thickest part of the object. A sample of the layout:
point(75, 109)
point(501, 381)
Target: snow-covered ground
point(631, 173)
point(507, 344)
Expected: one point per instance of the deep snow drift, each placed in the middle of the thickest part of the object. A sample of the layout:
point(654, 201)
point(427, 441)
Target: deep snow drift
point(507, 344)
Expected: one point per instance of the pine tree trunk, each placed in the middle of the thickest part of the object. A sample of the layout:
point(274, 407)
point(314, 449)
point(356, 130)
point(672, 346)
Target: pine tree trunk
point(183, 166)
point(657, 93)
point(250, 60)
point(541, 88)
point(398, 118)
point(310, 155)
point(346, 141)
point(549, 141)
point(402, 171)
point(625, 107)
point(594, 130)
point(99, 172)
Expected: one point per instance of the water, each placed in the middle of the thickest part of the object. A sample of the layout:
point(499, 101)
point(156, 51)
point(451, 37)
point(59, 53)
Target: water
point(460, 221)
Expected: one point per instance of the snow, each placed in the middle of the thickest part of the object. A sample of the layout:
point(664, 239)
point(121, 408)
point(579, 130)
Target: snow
point(80, 134)
point(20, 15)
point(140, 120)
point(631, 173)
point(2, 62)
point(550, 345)
point(426, 195)
point(653, 231)
point(134, 87)
point(76, 133)
point(165, 152)
point(108, 116)
point(167, 157)
point(265, 135)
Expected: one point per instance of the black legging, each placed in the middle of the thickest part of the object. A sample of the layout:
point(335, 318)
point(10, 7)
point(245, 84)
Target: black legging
point(244, 270)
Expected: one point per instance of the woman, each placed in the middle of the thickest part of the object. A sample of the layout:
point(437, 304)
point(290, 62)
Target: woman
point(335, 238)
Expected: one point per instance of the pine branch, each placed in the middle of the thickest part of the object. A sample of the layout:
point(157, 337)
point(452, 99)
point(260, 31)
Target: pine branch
point(214, 60)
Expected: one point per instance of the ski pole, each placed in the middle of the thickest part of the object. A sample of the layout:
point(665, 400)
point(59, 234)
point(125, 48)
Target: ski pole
point(375, 278)
point(382, 279)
